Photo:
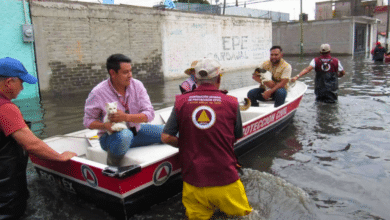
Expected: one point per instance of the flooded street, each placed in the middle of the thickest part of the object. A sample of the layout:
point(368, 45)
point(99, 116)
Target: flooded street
point(331, 162)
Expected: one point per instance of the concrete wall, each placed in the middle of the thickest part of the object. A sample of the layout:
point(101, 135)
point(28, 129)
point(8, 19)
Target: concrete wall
point(12, 18)
point(256, 13)
point(323, 11)
point(339, 33)
point(74, 40)
point(382, 16)
point(236, 42)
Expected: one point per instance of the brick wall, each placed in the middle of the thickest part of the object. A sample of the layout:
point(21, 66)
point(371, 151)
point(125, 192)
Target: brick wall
point(73, 41)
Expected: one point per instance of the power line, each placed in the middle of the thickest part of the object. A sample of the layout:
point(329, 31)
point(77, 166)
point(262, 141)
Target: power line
point(249, 2)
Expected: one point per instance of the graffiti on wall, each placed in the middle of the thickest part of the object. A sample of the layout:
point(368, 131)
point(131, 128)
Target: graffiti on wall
point(234, 48)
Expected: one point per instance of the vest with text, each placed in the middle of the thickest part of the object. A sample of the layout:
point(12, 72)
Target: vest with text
point(206, 119)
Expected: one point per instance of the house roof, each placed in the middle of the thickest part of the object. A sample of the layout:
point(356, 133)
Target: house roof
point(380, 9)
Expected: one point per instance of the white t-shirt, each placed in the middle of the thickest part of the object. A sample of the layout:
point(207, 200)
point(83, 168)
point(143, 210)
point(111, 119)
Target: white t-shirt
point(313, 64)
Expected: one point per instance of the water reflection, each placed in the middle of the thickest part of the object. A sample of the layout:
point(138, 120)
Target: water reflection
point(327, 118)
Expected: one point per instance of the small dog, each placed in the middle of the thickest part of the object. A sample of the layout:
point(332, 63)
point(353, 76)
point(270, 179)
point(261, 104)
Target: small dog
point(265, 75)
point(111, 108)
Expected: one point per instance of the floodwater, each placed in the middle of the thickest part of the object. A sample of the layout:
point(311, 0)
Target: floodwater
point(331, 162)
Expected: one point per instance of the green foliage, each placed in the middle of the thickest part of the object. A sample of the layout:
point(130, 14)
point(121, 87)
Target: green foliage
point(194, 1)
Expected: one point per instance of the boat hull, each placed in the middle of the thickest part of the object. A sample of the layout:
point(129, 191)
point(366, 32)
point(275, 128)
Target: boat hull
point(117, 207)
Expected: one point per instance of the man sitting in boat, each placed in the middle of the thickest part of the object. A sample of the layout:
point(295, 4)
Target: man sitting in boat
point(276, 89)
point(209, 123)
point(134, 107)
point(190, 83)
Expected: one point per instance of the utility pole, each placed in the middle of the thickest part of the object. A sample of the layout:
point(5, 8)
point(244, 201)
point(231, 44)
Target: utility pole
point(236, 3)
point(387, 26)
point(301, 22)
point(224, 6)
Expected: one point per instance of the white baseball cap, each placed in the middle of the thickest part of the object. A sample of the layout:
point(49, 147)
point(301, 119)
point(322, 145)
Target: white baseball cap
point(325, 48)
point(210, 66)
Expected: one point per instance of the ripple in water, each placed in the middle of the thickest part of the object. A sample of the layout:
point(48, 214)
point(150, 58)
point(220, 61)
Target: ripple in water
point(273, 198)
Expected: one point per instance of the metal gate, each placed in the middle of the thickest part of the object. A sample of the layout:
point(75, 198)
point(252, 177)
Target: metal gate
point(360, 38)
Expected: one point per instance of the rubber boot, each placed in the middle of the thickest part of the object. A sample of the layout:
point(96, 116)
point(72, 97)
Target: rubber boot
point(114, 160)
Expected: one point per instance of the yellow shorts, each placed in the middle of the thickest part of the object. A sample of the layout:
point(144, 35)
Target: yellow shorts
point(200, 202)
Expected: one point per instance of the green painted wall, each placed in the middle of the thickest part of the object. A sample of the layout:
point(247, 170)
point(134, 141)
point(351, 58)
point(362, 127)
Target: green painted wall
point(12, 18)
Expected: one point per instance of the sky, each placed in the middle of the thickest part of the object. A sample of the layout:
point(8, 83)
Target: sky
point(287, 6)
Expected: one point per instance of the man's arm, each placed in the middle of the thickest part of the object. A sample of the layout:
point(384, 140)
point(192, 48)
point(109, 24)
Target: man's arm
point(340, 69)
point(169, 139)
point(146, 111)
point(37, 147)
point(238, 130)
point(302, 73)
point(170, 131)
point(120, 116)
point(267, 94)
point(101, 126)
point(341, 73)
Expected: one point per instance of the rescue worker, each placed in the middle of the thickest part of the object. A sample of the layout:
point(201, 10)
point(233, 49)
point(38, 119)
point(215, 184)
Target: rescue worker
point(379, 52)
point(16, 141)
point(327, 70)
point(209, 123)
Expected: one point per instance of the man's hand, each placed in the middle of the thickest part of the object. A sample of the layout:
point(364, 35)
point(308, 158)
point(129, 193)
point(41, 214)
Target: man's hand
point(267, 94)
point(341, 74)
point(108, 127)
point(67, 155)
point(294, 79)
point(119, 116)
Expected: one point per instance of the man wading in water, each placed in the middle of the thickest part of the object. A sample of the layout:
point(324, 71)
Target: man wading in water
point(207, 135)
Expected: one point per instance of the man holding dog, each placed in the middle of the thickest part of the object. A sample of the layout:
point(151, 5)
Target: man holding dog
point(276, 89)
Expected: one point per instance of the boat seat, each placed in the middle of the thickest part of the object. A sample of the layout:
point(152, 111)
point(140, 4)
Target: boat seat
point(137, 155)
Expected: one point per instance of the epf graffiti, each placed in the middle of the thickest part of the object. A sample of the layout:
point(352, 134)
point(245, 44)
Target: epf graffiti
point(234, 48)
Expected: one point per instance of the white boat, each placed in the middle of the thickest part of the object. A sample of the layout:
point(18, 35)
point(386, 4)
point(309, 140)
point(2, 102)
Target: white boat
point(150, 174)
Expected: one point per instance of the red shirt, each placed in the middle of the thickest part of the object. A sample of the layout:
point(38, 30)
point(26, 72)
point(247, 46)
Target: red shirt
point(11, 118)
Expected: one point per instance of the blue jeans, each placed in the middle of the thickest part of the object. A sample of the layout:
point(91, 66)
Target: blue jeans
point(118, 143)
point(279, 96)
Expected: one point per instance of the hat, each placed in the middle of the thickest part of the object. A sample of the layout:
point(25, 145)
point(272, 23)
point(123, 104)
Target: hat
point(14, 68)
point(325, 48)
point(210, 66)
point(193, 64)
point(378, 43)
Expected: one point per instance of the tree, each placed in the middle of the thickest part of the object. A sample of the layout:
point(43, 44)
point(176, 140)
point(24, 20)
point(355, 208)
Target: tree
point(194, 1)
